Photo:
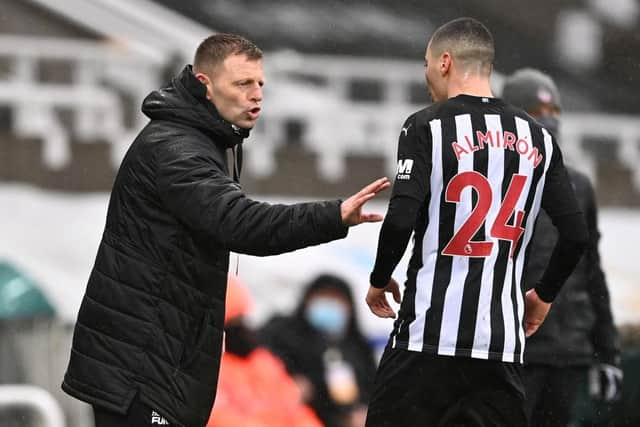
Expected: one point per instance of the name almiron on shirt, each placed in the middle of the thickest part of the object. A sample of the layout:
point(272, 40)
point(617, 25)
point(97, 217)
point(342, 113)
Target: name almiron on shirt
point(496, 139)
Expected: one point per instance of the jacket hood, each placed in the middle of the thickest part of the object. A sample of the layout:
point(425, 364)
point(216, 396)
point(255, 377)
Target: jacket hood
point(184, 100)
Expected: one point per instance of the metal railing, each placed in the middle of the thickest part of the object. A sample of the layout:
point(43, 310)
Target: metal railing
point(34, 398)
point(333, 124)
point(99, 73)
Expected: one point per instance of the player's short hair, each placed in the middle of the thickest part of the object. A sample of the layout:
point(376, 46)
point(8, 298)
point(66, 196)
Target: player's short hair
point(467, 40)
point(216, 48)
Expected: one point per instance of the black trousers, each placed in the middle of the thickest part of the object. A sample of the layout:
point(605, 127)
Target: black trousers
point(419, 389)
point(138, 415)
point(551, 394)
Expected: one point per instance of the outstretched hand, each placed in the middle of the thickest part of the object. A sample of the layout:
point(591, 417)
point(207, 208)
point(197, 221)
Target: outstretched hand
point(351, 209)
point(535, 312)
point(377, 300)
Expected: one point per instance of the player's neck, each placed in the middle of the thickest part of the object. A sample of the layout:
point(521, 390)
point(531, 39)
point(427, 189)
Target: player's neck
point(473, 85)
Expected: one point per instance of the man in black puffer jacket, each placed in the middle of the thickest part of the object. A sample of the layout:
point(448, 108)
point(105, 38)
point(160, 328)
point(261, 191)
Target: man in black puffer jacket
point(579, 332)
point(148, 340)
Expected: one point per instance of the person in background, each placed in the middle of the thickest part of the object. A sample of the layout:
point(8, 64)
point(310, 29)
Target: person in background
point(579, 332)
point(254, 388)
point(323, 347)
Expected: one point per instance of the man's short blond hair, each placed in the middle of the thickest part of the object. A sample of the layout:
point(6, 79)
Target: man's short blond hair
point(216, 48)
point(467, 40)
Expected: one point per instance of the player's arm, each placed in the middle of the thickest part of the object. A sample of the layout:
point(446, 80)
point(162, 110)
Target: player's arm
point(410, 190)
point(394, 236)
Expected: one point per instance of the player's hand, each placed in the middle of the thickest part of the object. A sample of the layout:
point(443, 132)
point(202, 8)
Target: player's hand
point(535, 312)
point(377, 300)
point(351, 209)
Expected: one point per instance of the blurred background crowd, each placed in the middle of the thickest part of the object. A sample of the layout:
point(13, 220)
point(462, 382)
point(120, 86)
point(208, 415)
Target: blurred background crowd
point(340, 78)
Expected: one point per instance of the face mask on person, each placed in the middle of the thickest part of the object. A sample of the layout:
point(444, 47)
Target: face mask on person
point(327, 315)
point(550, 123)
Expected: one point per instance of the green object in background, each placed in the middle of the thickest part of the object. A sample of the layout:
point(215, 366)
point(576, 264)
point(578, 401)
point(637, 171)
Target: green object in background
point(20, 296)
point(623, 413)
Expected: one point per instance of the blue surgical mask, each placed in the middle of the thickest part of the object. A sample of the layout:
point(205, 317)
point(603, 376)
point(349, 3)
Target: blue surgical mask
point(327, 315)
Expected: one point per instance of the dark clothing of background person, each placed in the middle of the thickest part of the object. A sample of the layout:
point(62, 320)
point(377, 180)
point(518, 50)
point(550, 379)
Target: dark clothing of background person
point(551, 394)
point(150, 324)
point(304, 349)
point(579, 330)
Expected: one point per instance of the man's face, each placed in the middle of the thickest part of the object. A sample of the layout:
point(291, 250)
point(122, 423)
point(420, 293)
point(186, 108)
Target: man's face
point(235, 88)
point(549, 115)
point(435, 79)
point(545, 110)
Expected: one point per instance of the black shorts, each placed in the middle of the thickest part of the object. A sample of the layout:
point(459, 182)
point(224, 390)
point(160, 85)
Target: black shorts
point(420, 389)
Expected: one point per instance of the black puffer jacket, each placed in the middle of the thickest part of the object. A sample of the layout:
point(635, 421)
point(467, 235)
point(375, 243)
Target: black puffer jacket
point(151, 320)
point(579, 329)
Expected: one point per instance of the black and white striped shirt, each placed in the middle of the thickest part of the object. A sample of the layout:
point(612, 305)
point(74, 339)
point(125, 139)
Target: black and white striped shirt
point(472, 173)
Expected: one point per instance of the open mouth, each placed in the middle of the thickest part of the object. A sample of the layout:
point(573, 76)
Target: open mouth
point(254, 113)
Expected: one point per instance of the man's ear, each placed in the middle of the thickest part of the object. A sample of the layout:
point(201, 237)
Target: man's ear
point(205, 80)
point(445, 63)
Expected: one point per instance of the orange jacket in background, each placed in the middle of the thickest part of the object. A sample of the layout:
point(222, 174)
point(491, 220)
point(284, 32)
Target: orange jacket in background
point(257, 391)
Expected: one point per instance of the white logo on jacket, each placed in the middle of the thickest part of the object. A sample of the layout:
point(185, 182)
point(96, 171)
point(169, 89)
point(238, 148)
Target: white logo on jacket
point(158, 419)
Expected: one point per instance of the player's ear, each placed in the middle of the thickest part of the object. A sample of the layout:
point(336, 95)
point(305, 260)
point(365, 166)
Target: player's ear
point(445, 63)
